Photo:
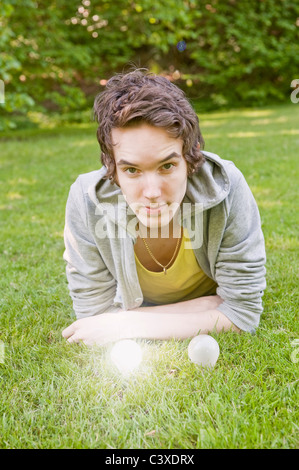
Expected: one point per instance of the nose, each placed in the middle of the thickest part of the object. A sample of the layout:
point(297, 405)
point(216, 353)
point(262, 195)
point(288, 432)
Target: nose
point(152, 188)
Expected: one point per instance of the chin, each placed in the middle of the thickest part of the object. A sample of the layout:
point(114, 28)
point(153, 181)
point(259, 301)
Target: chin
point(155, 224)
point(156, 221)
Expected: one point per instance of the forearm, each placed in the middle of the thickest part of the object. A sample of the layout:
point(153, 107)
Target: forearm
point(180, 321)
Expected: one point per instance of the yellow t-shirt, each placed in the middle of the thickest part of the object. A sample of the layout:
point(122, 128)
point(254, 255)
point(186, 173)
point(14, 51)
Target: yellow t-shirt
point(184, 280)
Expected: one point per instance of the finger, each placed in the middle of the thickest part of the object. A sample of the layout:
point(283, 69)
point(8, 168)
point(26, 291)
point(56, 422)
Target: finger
point(73, 339)
point(69, 331)
point(89, 343)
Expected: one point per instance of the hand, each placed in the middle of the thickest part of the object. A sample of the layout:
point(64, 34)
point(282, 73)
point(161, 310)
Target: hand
point(98, 329)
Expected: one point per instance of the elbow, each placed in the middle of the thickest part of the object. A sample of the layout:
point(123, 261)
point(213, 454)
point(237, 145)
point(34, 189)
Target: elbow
point(235, 328)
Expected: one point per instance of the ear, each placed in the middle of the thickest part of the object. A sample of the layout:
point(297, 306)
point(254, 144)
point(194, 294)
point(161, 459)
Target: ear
point(198, 145)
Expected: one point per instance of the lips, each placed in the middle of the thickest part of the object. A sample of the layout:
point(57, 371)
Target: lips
point(154, 208)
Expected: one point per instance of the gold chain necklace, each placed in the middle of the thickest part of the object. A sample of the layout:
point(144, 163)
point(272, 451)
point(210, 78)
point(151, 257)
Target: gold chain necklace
point(156, 261)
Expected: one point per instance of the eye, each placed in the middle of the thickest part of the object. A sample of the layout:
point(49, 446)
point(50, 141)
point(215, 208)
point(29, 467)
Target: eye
point(131, 170)
point(168, 166)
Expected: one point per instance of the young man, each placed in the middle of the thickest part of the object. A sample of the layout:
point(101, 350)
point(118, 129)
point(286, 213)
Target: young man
point(165, 240)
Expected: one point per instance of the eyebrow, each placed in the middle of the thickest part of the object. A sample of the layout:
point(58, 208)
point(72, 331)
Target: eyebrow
point(172, 155)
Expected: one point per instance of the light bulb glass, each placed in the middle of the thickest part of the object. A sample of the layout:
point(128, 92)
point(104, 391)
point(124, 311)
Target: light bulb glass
point(126, 356)
point(203, 350)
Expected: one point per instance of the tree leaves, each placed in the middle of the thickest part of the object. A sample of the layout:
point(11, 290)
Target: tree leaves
point(46, 45)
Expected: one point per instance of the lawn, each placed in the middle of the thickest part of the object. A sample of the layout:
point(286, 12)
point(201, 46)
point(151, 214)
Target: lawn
point(57, 395)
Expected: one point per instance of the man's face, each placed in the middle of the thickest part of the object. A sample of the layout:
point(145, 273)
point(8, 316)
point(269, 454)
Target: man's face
point(151, 172)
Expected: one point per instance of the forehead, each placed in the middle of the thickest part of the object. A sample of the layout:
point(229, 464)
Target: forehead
point(143, 141)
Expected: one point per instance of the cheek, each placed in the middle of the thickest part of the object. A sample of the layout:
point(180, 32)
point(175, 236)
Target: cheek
point(129, 189)
point(175, 190)
point(180, 183)
point(182, 189)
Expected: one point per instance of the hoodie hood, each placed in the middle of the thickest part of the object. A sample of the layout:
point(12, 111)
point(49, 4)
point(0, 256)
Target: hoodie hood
point(211, 184)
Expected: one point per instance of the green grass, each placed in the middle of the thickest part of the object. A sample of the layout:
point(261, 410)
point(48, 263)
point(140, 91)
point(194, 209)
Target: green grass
point(57, 395)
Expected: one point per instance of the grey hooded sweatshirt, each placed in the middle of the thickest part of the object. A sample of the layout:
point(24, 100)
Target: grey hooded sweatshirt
point(99, 243)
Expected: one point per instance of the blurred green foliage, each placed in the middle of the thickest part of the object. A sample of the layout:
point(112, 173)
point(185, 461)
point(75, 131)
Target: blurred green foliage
point(55, 55)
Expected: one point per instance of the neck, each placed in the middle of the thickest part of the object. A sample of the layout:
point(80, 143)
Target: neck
point(172, 230)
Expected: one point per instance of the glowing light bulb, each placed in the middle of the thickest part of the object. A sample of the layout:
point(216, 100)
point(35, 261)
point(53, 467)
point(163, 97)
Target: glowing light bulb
point(203, 350)
point(126, 355)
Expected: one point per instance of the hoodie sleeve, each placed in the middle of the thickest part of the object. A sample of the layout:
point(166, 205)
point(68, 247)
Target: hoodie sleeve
point(92, 287)
point(240, 265)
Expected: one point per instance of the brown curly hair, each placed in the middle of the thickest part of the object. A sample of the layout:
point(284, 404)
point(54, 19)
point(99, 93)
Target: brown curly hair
point(140, 96)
